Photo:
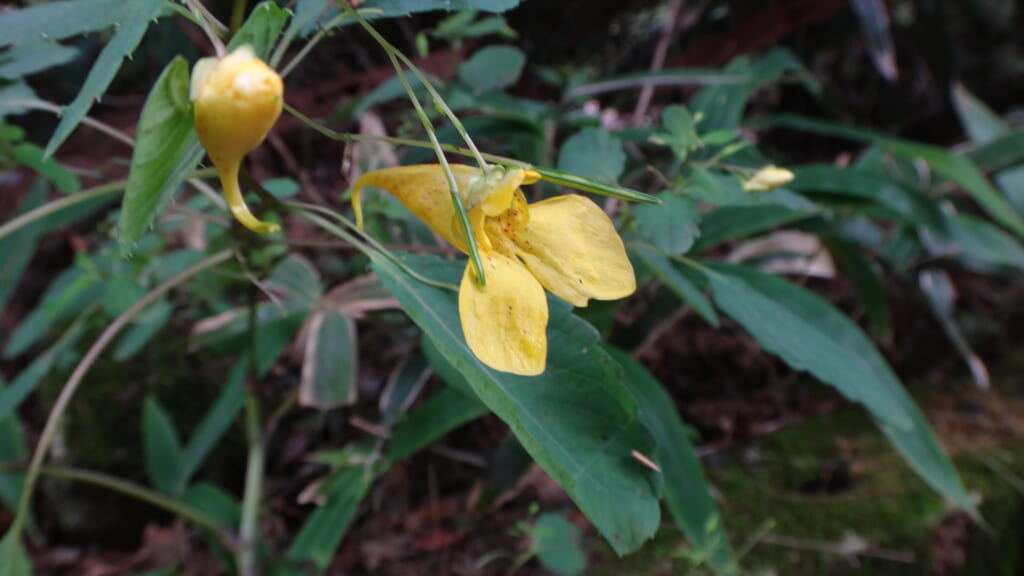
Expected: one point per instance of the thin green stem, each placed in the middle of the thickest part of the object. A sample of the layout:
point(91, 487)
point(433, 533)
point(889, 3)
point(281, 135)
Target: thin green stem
point(132, 490)
point(347, 137)
point(313, 213)
point(99, 345)
point(237, 15)
point(460, 209)
point(438, 100)
point(253, 488)
point(84, 196)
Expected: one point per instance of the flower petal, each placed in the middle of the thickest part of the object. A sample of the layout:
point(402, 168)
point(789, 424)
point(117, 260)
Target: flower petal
point(505, 322)
point(423, 189)
point(573, 249)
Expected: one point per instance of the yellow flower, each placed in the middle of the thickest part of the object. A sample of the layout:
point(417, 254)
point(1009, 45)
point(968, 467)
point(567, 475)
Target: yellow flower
point(237, 100)
point(565, 244)
point(768, 178)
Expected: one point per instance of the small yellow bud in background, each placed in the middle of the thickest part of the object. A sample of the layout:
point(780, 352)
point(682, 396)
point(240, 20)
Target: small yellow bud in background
point(237, 100)
point(768, 178)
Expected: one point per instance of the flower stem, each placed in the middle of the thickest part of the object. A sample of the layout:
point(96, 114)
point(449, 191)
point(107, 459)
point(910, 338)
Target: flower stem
point(253, 487)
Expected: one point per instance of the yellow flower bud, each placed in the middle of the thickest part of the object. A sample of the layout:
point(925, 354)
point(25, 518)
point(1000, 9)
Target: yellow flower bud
point(768, 178)
point(237, 100)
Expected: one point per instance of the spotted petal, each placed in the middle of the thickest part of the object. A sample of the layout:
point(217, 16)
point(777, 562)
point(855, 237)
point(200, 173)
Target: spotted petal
point(573, 249)
point(505, 322)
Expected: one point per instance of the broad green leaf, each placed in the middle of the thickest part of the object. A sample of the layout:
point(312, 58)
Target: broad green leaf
point(13, 559)
point(672, 227)
point(58, 20)
point(577, 420)
point(558, 545)
point(999, 153)
point(17, 249)
point(868, 282)
point(686, 487)
point(166, 150)
point(326, 526)
point(389, 90)
point(331, 361)
point(32, 58)
point(133, 20)
point(593, 153)
point(731, 222)
point(120, 293)
point(12, 449)
point(215, 423)
point(262, 29)
point(827, 181)
point(959, 169)
point(309, 13)
point(672, 277)
point(809, 334)
point(162, 448)
point(493, 68)
point(445, 411)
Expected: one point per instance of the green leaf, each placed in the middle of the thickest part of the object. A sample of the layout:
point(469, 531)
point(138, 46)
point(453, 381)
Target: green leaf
point(12, 92)
point(593, 153)
point(298, 279)
point(162, 448)
point(13, 559)
point(980, 122)
point(144, 327)
point(326, 526)
point(12, 449)
point(403, 7)
point(686, 487)
point(577, 420)
point(32, 156)
point(809, 334)
point(331, 361)
point(57, 20)
point(672, 277)
point(726, 190)
point(722, 105)
point(32, 58)
point(959, 169)
point(403, 387)
point(445, 411)
point(29, 378)
point(17, 249)
point(133, 20)
point(671, 227)
point(829, 181)
point(215, 423)
point(984, 126)
point(166, 150)
point(276, 326)
point(868, 283)
point(680, 134)
point(262, 29)
point(214, 502)
point(74, 291)
point(558, 545)
point(978, 242)
point(731, 222)
point(493, 68)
